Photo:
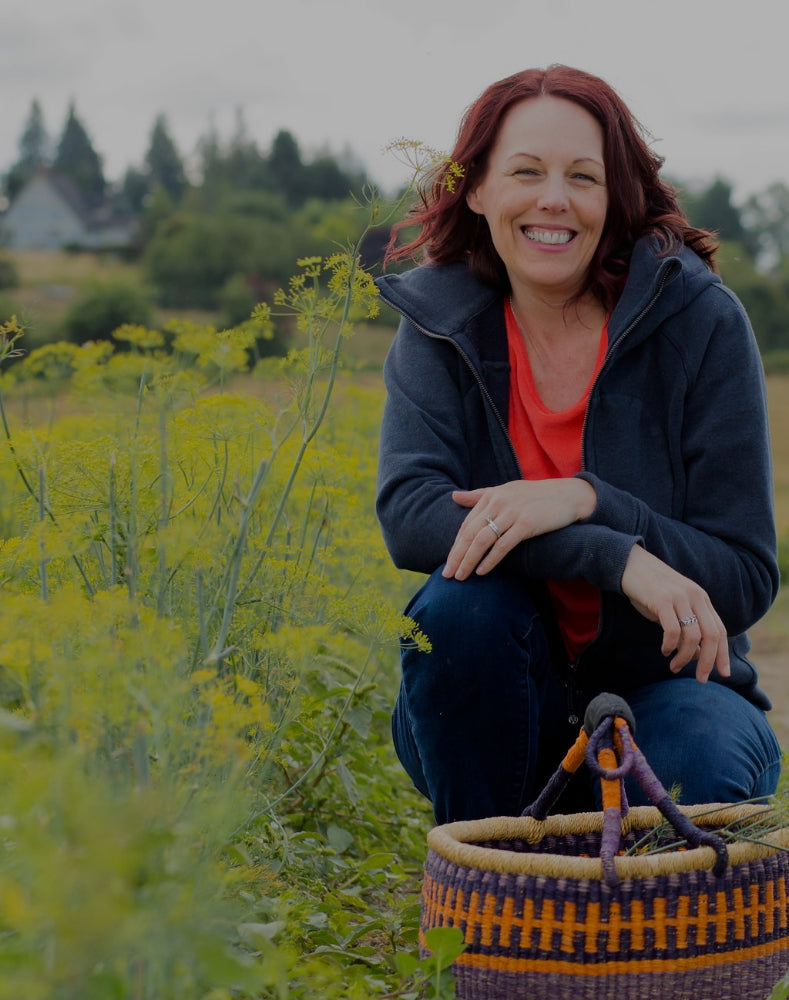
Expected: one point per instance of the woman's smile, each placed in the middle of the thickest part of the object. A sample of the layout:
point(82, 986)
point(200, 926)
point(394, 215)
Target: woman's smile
point(548, 237)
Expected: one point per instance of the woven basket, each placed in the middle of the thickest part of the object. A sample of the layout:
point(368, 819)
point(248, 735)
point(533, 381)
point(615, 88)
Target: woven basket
point(545, 918)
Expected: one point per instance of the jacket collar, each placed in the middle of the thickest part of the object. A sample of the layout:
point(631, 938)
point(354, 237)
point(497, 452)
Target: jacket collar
point(447, 301)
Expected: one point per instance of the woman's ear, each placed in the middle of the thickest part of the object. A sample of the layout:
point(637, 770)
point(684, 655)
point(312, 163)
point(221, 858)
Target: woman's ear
point(473, 201)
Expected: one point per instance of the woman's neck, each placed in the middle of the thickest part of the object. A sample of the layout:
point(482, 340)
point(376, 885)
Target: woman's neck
point(562, 344)
point(541, 319)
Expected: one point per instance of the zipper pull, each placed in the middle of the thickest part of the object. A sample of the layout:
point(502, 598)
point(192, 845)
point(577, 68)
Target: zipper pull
point(573, 718)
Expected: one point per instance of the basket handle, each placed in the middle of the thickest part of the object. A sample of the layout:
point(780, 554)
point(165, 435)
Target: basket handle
point(606, 744)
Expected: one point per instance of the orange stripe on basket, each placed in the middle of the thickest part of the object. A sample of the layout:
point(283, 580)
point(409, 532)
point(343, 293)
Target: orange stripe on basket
point(713, 919)
point(683, 921)
point(592, 928)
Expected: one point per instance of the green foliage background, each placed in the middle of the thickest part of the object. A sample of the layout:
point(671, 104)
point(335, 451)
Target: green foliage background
point(198, 655)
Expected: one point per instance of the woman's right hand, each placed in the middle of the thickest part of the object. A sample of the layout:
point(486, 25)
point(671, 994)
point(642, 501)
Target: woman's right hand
point(502, 516)
point(692, 628)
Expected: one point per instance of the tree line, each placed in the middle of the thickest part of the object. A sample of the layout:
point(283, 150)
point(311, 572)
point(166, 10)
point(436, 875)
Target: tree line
point(222, 231)
point(238, 163)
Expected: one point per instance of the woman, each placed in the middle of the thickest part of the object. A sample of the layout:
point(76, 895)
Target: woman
point(575, 449)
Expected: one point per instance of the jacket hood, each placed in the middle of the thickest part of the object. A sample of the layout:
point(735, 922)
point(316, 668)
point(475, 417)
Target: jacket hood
point(441, 298)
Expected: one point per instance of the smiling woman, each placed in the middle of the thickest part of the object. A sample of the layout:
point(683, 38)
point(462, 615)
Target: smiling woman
point(567, 387)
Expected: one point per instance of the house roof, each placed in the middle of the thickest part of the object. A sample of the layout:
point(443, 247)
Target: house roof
point(70, 193)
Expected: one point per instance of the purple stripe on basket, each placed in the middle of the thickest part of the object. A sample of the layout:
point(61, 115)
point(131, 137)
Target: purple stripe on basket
point(747, 980)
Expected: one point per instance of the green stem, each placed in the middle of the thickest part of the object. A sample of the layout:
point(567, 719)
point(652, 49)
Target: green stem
point(41, 517)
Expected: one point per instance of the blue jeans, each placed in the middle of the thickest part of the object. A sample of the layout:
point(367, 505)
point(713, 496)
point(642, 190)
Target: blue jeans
point(480, 722)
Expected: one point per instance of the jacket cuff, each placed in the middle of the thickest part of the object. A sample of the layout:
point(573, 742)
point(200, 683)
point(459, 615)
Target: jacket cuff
point(591, 552)
point(614, 508)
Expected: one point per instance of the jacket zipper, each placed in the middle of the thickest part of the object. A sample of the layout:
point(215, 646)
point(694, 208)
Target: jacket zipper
point(573, 667)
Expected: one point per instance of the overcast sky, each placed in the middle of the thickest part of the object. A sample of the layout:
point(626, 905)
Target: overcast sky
point(707, 78)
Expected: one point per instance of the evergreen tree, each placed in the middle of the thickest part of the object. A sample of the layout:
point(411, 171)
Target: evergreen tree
point(712, 209)
point(134, 190)
point(76, 158)
point(209, 151)
point(767, 217)
point(164, 163)
point(33, 151)
point(287, 168)
point(245, 168)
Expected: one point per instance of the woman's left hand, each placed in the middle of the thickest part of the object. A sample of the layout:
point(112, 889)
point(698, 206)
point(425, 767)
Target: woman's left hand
point(692, 628)
point(502, 516)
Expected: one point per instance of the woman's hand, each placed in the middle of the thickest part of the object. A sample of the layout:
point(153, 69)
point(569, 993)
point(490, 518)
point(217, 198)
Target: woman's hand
point(692, 628)
point(502, 516)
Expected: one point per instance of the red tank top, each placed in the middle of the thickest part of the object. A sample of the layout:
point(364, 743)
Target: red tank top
point(548, 446)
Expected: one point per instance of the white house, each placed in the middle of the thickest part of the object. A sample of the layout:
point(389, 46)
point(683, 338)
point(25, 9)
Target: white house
point(49, 213)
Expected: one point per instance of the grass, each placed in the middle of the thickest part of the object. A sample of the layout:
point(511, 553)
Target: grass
point(49, 282)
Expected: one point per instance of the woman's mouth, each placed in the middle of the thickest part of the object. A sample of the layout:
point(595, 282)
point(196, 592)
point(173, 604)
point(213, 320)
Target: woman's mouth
point(549, 236)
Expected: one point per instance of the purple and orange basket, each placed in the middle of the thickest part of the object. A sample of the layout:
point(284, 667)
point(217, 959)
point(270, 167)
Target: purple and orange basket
point(567, 908)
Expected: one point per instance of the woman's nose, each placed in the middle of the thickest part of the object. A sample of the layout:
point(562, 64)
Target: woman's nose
point(553, 196)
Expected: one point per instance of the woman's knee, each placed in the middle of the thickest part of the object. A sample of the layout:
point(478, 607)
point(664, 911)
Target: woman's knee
point(477, 617)
point(705, 741)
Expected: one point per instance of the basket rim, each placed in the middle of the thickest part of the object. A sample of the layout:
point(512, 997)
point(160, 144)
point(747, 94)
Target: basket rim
point(458, 843)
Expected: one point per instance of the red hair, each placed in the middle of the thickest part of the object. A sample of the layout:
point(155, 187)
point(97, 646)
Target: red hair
point(639, 202)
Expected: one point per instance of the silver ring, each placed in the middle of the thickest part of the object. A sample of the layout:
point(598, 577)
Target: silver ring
point(688, 621)
point(493, 526)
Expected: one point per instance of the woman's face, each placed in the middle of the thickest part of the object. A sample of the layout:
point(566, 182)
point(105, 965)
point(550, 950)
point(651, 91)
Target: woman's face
point(544, 195)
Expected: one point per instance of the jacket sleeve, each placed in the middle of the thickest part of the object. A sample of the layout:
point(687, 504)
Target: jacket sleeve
point(423, 451)
point(725, 539)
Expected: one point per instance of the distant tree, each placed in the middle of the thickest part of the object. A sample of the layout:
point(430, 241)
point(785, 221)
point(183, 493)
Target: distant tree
point(325, 179)
point(164, 163)
point(76, 158)
point(209, 151)
point(287, 168)
point(333, 178)
point(767, 219)
point(33, 151)
point(712, 208)
point(157, 209)
point(765, 298)
point(245, 167)
point(134, 190)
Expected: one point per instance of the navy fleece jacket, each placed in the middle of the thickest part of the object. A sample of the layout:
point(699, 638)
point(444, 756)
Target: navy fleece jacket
point(676, 445)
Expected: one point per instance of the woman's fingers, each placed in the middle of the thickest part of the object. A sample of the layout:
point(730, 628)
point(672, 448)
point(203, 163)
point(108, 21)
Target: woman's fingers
point(480, 544)
point(698, 635)
point(692, 629)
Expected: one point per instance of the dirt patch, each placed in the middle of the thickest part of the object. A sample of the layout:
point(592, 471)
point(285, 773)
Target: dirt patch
point(773, 667)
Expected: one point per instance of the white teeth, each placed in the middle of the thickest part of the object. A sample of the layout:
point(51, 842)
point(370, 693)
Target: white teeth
point(548, 236)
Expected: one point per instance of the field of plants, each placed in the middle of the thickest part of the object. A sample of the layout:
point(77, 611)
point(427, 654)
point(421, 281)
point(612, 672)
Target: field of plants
point(199, 634)
point(198, 654)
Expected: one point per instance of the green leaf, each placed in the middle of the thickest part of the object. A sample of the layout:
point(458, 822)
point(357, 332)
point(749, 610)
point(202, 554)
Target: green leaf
point(338, 838)
point(359, 717)
point(445, 943)
point(406, 963)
